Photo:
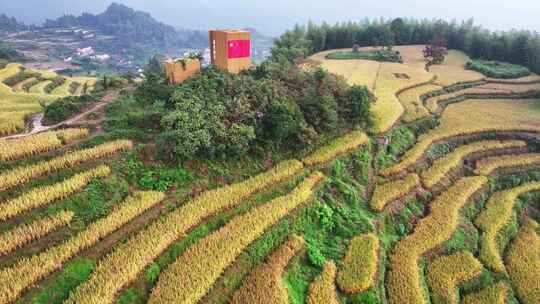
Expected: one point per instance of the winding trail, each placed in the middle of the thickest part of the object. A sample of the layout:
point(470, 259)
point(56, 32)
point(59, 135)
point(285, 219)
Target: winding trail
point(37, 120)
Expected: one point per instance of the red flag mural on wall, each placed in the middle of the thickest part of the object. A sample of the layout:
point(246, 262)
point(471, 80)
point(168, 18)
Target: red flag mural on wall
point(239, 48)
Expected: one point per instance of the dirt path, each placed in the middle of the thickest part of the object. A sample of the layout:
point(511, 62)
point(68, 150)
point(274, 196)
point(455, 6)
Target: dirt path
point(38, 127)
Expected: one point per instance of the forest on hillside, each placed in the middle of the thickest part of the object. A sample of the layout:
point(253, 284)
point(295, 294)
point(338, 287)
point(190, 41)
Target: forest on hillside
point(517, 46)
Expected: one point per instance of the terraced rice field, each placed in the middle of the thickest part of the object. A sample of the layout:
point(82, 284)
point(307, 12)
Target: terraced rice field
point(452, 219)
point(19, 102)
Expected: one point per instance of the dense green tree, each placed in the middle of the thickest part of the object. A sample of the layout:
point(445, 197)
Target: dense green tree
point(513, 46)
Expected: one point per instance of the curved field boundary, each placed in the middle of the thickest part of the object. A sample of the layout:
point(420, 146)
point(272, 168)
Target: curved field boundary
point(360, 264)
point(40, 87)
point(264, 284)
point(388, 110)
point(26, 233)
point(10, 70)
point(22, 175)
point(20, 87)
point(523, 263)
point(28, 271)
point(39, 143)
point(144, 247)
point(403, 279)
point(342, 145)
point(445, 273)
point(323, 288)
point(64, 89)
point(489, 165)
point(412, 102)
point(494, 218)
point(42, 196)
point(417, 153)
point(394, 190)
point(523, 80)
point(436, 106)
point(492, 294)
point(444, 165)
point(189, 278)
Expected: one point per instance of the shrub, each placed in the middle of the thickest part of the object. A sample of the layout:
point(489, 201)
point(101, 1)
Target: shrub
point(497, 69)
point(445, 273)
point(523, 262)
point(377, 55)
point(73, 274)
point(360, 264)
point(358, 105)
point(323, 288)
point(265, 281)
point(64, 108)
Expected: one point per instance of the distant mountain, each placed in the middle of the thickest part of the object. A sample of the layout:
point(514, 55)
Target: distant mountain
point(131, 25)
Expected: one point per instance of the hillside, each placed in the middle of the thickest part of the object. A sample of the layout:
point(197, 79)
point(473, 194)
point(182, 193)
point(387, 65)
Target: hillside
point(133, 29)
point(305, 179)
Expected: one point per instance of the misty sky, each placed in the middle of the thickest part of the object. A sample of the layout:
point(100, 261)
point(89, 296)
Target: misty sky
point(274, 16)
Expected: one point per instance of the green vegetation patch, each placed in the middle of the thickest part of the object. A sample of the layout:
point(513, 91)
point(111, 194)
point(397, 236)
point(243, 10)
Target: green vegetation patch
point(70, 277)
point(377, 55)
point(65, 108)
point(496, 69)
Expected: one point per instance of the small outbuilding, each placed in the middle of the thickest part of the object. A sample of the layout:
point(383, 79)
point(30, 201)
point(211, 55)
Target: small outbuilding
point(179, 70)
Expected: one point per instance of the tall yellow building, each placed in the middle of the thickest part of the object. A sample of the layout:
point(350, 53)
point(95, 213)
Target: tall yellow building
point(230, 50)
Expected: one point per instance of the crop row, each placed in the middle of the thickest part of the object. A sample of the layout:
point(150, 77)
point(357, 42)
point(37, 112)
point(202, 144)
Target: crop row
point(441, 167)
point(445, 274)
point(523, 263)
point(39, 143)
point(45, 195)
point(492, 294)
point(323, 288)
point(123, 265)
point(10, 70)
point(494, 218)
point(386, 193)
point(68, 136)
point(359, 264)
point(491, 164)
point(189, 278)
point(21, 175)
point(265, 283)
point(523, 80)
point(11, 122)
point(411, 100)
point(426, 141)
point(27, 271)
point(432, 231)
point(339, 146)
point(432, 103)
point(25, 233)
